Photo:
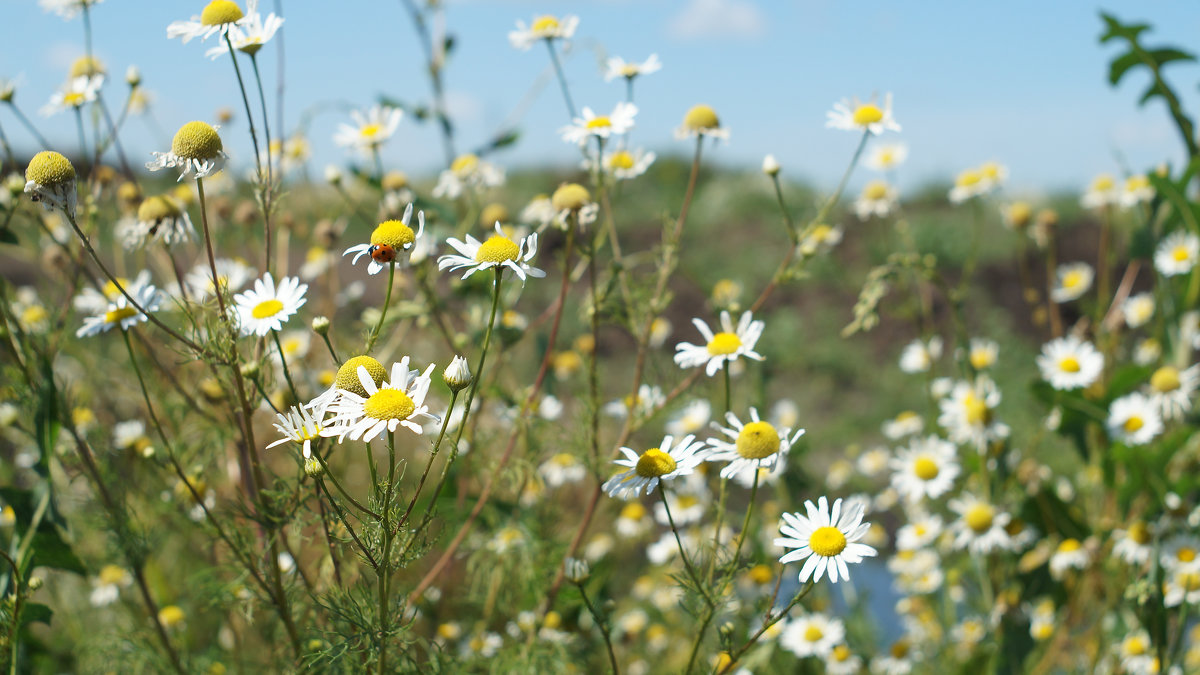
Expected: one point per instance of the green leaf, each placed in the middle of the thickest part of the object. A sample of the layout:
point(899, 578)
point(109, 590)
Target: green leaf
point(1118, 30)
point(7, 236)
point(1121, 65)
point(50, 550)
point(46, 418)
point(36, 612)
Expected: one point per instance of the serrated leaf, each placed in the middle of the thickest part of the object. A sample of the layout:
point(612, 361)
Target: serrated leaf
point(1167, 55)
point(1121, 65)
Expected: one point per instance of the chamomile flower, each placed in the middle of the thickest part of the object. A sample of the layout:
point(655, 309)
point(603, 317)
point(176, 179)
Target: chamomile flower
point(920, 531)
point(78, 92)
point(1070, 555)
point(812, 634)
point(842, 661)
point(982, 353)
point(855, 115)
point(545, 27)
point(624, 164)
point(618, 67)
point(370, 130)
point(1136, 653)
point(926, 468)
point(755, 444)
point(266, 307)
point(1073, 280)
point(968, 413)
point(231, 273)
point(723, 347)
point(980, 526)
point(400, 401)
point(969, 183)
point(467, 172)
point(250, 34)
point(106, 587)
point(67, 9)
point(1177, 253)
point(1070, 363)
point(647, 401)
point(906, 423)
point(347, 378)
point(50, 179)
point(217, 18)
point(918, 356)
point(1133, 419)
point(1181, 552)
point(826, 540)
point(686, 508)
point(1136, 190)
point(887, 157)
point(633, 520)
point(540, 211)
point(820, 238)
point(701, 120)
point(120, 312)
point(589, 125)
point(691, 419)
point(298, 426)
point(1183, 585)
point(1017, 215)
point(877, 199)
point(196, 148)
point(668, 461)
point(498, 251)
point(159, 218)
point(1134, 544)
point(1102, 192)
point(1138, 309)
point(994, 174)
point(561, 469)
point(95, 301)
point(387, 240)
point(1171, 390)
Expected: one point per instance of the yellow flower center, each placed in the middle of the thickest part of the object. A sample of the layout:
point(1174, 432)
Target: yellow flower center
point(1019, 213)
point(1180, 253)
point(370, 130)
point(1139, 533)
point(633, 511)
point(979, 518)
point(723, 344)
point(925, 468)
point(602, 122)
point(968, 178)
point(1185, 554)
point(1165, 379)
point(119, 314)
point(1135, 183)
point(220, 12)
point(655, 463)
point(841, 653)
point(630, 70)
point(111, 574)
point(572, 196)
point(544, 24)
point(827, 541)
point(700, 118)
point(157, 209)
point(171, 615)
point(497, 249)
point(464, 164)
point(266, 309)
point(34, 314)
point(1190, 581)
point(1073, 279)
point(977, 410)
point(393, 233)
point(1069, 546)
point(111, 291)
point(1134, 646)
point(981, 358)
point(990, 170)
point(821, 233)
point(552, 619)
point(900, 649)
point(74, 98)
point(757, 440)
point(1103, 183)
point(867, 113)
point(347, 375)
point(622, 159)
point(875, 190)
point(86, 66)
point(1069, 364)
point(813, 633)
point(760, 574)
point(389, 404)
point(197, 140)
point(49, 168)
point(1134, 423)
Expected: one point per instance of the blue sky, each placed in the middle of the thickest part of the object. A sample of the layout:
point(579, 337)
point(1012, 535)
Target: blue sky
point(1022, 82)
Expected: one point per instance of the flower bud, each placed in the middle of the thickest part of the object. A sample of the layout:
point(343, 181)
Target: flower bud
point(133, 76)
point(770, 166)
point(333, 175)
point(36, 583)
point(577, 571)
point(457, 375)
point(320, 325)
point(250, 369)
point(313, 467)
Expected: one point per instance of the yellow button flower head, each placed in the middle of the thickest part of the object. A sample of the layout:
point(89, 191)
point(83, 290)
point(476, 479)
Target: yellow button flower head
point(701, 120)
point(570, 197)
point(247, 34)
point(196, 148)
point(78, 92)
point(398, 402)
point(617, 67)
point(86, 66)
point(159, 218)
point(387, 241)
point(498, 251)
point(217, 18)
point(545, 27)
point(50, 179)
point(870, 116)
point(725, 346)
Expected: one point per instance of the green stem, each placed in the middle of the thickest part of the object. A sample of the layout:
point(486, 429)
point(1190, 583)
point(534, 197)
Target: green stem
point(332, 353)
point(246, 103)
point(487, 341)
point(603, 626)
point(342, 491)
point(687, 563)
point(562, 80)
point(767, 626)
point(29, 126)
point(385, 560)
point(270, 186)
point(728, 387)
point(287, 375)
point(387, 300)
point(432, 456)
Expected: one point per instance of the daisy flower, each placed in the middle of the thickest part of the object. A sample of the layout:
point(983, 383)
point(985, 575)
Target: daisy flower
point(106, 587)
point(755, 444)
point(1074, 279)
point(1017, 215)
point(232, 273)
point(907, 423)
point(918, 356)
point(701, 120)
point(618, 67)
point(633, 520)
point(387, 240)
point(1181, 552)
point(812, 635)
point(1070, 555)
point(827, 539)
point(1134, 543)
point(692, 418)
point(95, 301)
point(1183, 585)
point(921, 531)
point(77, 92)
point(993, 175)
point(561, 469)
point(1135, 652)
point(298, 426)
point(217, 18)
point(969, 183)
point(498, 251)
point(67, 9)
point(400, 401)
point(370, 130)
point(624, 164)
point(50, 179)
point(926, 468)
point(648, 399)
point(1070, 363)
point(1103, 191)
point(1138, 309)
point(887, 157)
point(540, 211)
point(196, 148)
point(1133, 419)
point(980, 526)
point(686, 508)
point(820, 238)
point(266, 307)
point(669, 460)
point(121, 312)
point(159, 218)
point(1176, 253)
point(590, 125)
point(347, 378)
point(842, 661)
point(721, 348)
point(467, 171)
point(1171, 390)
point(968, 413)
point(870, 116)
point(250, 34)
point(1136, 190)
point(877, 199)
point(982, 353)
point(545, 27)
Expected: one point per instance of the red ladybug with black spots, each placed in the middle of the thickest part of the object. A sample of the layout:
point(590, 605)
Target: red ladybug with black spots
point(382, 253)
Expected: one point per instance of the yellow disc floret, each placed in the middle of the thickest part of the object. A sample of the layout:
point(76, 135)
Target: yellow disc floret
point(494, 213)
point(86, 66)
point(347, 374)
point(544, 24)
point(757, 440)
point(723, 344)
point(700, 118)
point(220, 12)
point(654, 463)
point(572, 196)
point(633, 511)
point(813, 633)
point(197, 140)
point(1165, 379)
point(389, 404)
point(497, 249)
point(119, 314)
point(867, 113)
point(601, 122)
point(827, 541)
point(875, 190)
point(465, 164)
point(621, 159)
point(393, 233)
point(979, 518)
point(1133, 424)
point(926, 468)
point(49, 168)
point(157, 209)
point(1069, 364)
point(267, 309)
point(1069, 546)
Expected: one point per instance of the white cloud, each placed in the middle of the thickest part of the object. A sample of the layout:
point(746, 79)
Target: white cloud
point(717, 19)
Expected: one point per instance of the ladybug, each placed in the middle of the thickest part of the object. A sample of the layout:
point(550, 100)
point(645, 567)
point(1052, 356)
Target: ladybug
point(382, 253)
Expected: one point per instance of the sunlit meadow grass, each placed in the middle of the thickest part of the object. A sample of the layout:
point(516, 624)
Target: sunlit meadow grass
point(646, 416)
